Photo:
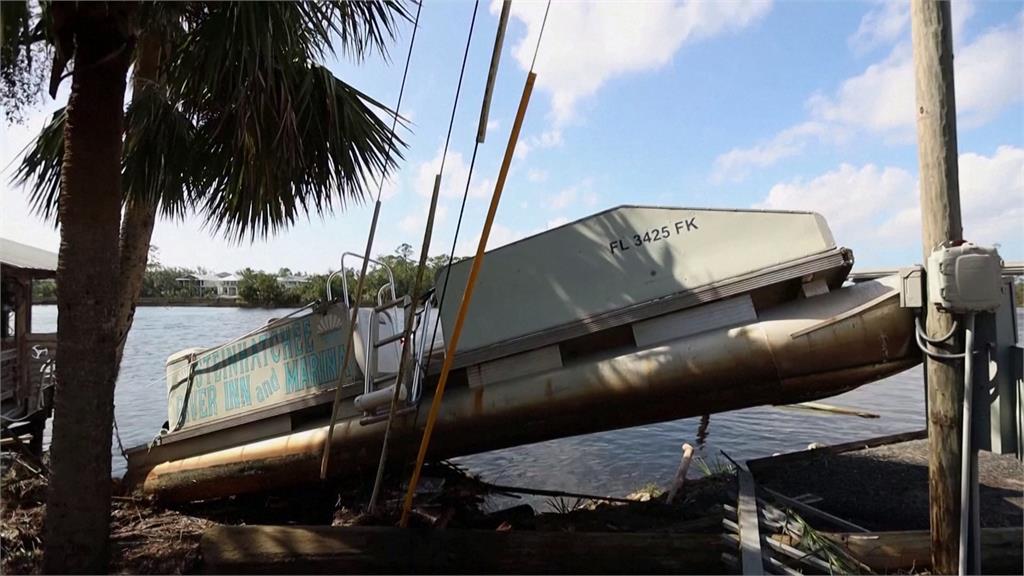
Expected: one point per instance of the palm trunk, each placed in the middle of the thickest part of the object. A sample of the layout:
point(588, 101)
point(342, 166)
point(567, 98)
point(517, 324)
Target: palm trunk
point(136, 233)
point(78, 502)
point(139, 214)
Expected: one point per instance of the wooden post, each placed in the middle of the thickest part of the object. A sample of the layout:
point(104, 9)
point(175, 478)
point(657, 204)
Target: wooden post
point(931, 24)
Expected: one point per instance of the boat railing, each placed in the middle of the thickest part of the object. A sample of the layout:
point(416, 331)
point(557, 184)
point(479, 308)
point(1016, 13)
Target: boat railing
point(344, 284)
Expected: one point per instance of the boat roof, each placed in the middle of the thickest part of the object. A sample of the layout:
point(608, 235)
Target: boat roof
point(25, 257)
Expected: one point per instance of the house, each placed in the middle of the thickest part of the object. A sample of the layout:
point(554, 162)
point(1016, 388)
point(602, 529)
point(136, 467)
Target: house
point(289, 282)
point(220, 285)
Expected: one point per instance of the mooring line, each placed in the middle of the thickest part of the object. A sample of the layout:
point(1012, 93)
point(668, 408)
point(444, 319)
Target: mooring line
point(405, 358)
point(467, 296)
point(481, 134)
point(326, 455)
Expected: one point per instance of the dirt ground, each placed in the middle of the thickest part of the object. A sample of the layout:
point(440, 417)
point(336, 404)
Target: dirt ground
point(886, 488)
point(882, 488)
point(147, 538)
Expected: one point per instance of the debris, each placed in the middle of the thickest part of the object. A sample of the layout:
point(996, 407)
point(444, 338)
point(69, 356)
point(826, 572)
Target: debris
point(684, 465)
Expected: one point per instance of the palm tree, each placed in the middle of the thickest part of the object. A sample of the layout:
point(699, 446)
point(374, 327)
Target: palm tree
point(232, 117)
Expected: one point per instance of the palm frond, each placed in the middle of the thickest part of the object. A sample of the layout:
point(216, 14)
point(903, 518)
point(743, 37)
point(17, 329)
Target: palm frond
point(158, 157)
point(300, 145)
point(40, 167)
point(363, 27)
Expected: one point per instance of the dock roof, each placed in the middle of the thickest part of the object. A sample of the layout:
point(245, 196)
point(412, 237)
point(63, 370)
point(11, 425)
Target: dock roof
point(18, 255)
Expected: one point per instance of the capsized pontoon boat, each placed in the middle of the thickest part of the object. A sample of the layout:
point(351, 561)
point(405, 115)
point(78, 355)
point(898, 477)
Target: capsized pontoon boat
point(630, 316)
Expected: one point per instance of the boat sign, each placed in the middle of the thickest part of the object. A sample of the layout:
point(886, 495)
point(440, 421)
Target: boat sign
point(284, 361)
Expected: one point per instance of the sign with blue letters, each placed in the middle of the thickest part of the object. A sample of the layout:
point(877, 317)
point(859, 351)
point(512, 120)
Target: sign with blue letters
point(283, 362)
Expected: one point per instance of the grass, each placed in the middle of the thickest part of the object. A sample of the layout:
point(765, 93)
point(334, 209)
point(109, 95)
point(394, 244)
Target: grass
point(715, 467)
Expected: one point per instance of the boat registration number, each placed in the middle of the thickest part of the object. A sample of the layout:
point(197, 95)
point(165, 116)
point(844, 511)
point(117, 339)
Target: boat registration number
point(638, 239)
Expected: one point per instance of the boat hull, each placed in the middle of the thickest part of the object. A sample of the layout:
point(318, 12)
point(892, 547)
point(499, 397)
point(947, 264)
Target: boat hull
point(801, 350)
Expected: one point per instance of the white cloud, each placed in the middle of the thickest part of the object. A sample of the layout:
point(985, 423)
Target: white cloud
point(547, 139)
point(736, 164)
point(415, 221)
point(884, 23)
point(881, 100)
point(588, 43)
point(557, 221)
point(851, 199)
point(535, 175)
point(500, 235)
point(453, 181)
point(888, 21)
point(390, 189)
point(579, 193)
point(563, 199)
point(875, 210)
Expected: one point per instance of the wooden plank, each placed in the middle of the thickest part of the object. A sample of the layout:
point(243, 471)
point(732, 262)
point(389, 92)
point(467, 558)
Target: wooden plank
point(750, 534)
point(1001, 549)
point(809, 510)
point(325, 549)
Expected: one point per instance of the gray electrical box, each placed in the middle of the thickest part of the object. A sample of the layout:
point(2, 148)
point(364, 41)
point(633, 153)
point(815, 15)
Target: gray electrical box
point(911, 287)
point(997, 418)
point(965, 278)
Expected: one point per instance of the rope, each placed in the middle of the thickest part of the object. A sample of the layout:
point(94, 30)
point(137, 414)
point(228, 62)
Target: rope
point(398, 104)
point(495, 57)
point(326, 455)
point(117, 435)
point(405, 357)
point(543, 24)
point(467, 296)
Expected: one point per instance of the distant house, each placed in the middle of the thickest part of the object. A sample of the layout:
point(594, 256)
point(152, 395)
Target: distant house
point(220, 285)
point(225, 284)
point(292, 281)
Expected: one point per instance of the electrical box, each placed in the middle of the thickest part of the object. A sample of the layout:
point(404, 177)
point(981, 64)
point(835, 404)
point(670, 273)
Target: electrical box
point(965, 278)
point(998, 414)
point(911, 287)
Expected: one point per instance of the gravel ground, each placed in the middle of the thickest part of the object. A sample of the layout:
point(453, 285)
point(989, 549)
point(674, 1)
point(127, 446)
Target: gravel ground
point(886, 488)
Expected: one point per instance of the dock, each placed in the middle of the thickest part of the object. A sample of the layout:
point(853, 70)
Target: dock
point(848, 508)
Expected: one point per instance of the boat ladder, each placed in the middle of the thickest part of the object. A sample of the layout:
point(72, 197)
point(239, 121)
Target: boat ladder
point(382, 334)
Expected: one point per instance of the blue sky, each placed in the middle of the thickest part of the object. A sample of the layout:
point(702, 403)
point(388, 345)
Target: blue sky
point(789, 105)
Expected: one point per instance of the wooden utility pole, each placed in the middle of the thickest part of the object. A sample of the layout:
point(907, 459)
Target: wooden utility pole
point(931, 25)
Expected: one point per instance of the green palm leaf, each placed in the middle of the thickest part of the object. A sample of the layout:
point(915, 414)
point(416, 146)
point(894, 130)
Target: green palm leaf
point(246, 128)
point(40, 167)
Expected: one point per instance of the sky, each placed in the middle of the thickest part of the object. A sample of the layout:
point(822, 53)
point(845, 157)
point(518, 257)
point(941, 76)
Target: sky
point(775, 105)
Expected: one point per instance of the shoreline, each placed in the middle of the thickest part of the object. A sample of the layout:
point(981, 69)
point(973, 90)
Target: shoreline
point(183, 303)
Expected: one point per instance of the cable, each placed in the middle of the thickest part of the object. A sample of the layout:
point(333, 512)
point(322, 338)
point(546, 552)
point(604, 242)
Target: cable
point(919, 334)
point(952, 330)
point(543, 24)
point(405, 359)
point(458, 88)
point(465, 193)
point(398, 104)
point(326, 455)
point(435, 406)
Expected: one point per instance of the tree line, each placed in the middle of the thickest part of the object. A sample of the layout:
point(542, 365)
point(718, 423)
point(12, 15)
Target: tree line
point(261, 288)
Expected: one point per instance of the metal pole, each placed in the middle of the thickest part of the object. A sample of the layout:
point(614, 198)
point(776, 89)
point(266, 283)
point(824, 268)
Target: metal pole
point(931, 25)
point(467, 297)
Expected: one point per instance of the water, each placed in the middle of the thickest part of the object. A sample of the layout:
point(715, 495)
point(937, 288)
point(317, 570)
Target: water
point(610, 463)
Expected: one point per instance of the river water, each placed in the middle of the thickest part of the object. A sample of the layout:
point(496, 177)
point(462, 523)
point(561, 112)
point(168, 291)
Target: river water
point(610, 463)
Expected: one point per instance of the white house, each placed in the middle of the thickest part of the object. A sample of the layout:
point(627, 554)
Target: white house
point(292, 281)
point(220, 285)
